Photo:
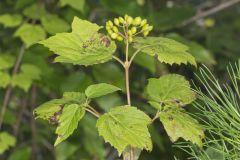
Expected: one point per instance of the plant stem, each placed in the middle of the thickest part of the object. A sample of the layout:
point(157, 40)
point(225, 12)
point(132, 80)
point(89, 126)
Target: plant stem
point(9, 89)
point(130, 156)
point(127, 82)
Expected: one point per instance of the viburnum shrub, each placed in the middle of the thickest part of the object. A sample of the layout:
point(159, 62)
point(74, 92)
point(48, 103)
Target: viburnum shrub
point(124, 127)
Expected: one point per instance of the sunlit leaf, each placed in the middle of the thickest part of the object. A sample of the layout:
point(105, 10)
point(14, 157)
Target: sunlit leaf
point(68, 121)
point(125, 126)
point(170, 89)
point(178, 124)
point(100, 89)
point(49, 109)
point(167, 50)
point(83, 46)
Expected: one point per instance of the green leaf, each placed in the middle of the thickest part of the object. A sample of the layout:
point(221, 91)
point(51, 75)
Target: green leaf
point(155, 105)
point(170, 89)
point(78, 5)
point(31, 71)
point(84, 28)
point(65, 150)
point(24, 79)
point(83, 46)
point(5, 79)
point(178, 124)
point(101, 89)
point(34, 11)
point(30, 34)
point(68, 121)
point(6, 61)
point(53, 24)
point(167, 50)
point(75, 97)
point(200, 53)
point(22, 153)
point(6, 141)
point(49, 109)
point(125, 126)
point(10, 20)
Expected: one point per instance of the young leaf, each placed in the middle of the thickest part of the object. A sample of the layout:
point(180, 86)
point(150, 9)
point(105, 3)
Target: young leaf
point(6, 141)
point(4, 79)
point(125, 126)
point(84, 28)
point(49, 109)
point(68, 121)
point(170, 89)
point(53, 24)
point(167, 50)
point(10, 20)
point(178, 124)
point(78, 5)
point(30, 34)
point(100, 89)
point(83, 46)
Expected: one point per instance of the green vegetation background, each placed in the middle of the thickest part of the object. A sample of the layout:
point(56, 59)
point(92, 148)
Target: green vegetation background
point(213, 39)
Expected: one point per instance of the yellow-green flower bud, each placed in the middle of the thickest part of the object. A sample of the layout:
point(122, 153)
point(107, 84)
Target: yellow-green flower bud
point(145, 27)
point(130, 39)
point(145, 33)
point(108, 27)
point(137, 21)
point(133, 30)
point(129, 20)
point(114, 35)
point(115, 29)
point(121, 20)
point(209, 22)
point(126, 16)
point(143, 22)
point(130, 33)
point(110, 24)
point(119, 38)
point(150, 28)
point(110, 31)
point(116, 21)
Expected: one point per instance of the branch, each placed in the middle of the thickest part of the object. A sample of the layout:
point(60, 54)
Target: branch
point(92, 111)
point(9, 89)
point(119, 60)
point(211, 11)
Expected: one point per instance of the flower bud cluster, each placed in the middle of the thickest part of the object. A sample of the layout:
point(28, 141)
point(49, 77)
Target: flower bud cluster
point(125, 28)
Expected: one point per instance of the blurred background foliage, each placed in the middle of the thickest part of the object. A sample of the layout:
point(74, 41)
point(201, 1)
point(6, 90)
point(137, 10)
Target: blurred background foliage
point(213, 38)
